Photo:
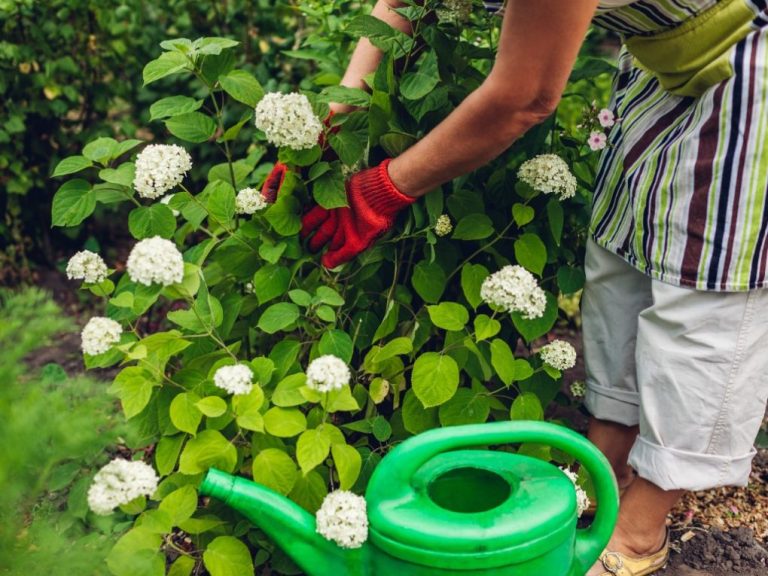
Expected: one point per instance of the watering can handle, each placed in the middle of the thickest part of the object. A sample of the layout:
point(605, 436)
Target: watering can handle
point(401, 465)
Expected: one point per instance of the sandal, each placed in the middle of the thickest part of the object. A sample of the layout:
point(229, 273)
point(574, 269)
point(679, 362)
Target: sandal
point(618, 564)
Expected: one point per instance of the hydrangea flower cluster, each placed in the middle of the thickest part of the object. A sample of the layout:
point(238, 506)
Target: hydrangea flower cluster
point(249, 201)
point(288, 120)
point(548, 173)
point(578, 389)
point(454, 11)
point(514, 289)
point(159, 168)
point(118, 483)
point(343, 519)
point(582, 500)
point(87, 266)
point(559, 354)
point(327, 373)
point(155, 261)
point(99, 335)
point(237, 379)
point(443, 226)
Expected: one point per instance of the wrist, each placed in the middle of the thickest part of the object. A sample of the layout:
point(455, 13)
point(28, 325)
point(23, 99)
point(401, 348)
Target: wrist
point(380, 193)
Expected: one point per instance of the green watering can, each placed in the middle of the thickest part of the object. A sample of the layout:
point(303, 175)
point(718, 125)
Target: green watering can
point(436, 508)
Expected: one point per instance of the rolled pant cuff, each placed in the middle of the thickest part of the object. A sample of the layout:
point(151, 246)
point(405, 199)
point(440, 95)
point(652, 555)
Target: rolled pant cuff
point(610, 404)
point(673, 469)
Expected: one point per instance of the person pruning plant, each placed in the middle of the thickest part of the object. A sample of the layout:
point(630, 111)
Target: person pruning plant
point(674, 308)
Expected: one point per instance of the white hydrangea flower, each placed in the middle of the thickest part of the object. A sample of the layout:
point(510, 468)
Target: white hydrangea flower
point(87, 266)
point(515, 289)
point(597, 141)
point(548, 173)
point(443, 226)
point(578, 389)
point(159, 168)
point(118, 483)
point(155, 261)
point(606, 118)
point(236, 380)
point(582, 500)
point(343, 519)
point(288, 120)
point(559, 354)
point(454, 11)
point(249, 201)
point(327, 373)
point(99, 335)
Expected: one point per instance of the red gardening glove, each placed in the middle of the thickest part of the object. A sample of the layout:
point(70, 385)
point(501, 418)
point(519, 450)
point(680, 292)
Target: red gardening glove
point(274, 181)
point(374, 202)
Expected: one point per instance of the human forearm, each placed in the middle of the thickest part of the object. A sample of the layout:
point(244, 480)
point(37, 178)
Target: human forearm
point(366, 57)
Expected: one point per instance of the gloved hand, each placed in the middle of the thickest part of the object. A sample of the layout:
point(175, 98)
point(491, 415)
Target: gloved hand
point(276, 177)
point(374, 202)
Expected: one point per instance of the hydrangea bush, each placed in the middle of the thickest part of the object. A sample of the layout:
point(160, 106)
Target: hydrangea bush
point(260, 362)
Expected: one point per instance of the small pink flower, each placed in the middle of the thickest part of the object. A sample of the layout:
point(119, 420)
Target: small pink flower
point(597, 141)
point(606, 118)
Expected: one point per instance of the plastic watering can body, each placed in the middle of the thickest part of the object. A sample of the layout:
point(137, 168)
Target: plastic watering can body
point(437, 507)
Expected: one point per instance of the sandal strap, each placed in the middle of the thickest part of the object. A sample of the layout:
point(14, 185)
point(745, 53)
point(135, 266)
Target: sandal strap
point(618, 564)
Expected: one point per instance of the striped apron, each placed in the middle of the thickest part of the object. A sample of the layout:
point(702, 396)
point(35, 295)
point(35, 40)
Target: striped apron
point(682, 188)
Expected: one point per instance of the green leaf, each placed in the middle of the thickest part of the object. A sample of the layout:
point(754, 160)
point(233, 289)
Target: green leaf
point(340, 400)
point(73, 203)
point(466, 407)
point(396, 347)
point(133, 385)
point(123, 175)
point(309, 491)
point(137, 553)
point(328, 295)
point(243, 87)
point(284, 422)
point(287, 393)
point(71, 165)
point(275, 469)
point(180, 504)
point(389, 323)
point(416, 85)
point(149, 221)
point(503, 361)
point(429, 281)
point(473, 227)
point(556, 219)
point(329, 191)
point(526, 407)
point(173, 106)
point(279, 317)
point(214, 45)
point(227, 556)
point(416, 418)
point(522, 214)
point(125, 146)
point(271, 281)
point(182, 566)
point(221, 202)
point(448, 315)
point(247, 409)
point(395, 143)
point(184, 413)
point(100, 150)
point(209, 449)
point(348, 146)
point(305, 157)
point(570, 280)
point(284, 217)
point(531, 253)
point(486, 327)
point(166, 64)
point(348, 463)
point(435, 378)
point(345, 95)
point(240, 168)
point(167, 453)
point(211, 406)
point(472, 277)
point(192, 127)
point(312, 449)
point(337, 343)
point(532, 329)
point(381, 34)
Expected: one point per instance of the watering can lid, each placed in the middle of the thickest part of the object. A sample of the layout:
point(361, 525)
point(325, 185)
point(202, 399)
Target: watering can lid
point(428, 516)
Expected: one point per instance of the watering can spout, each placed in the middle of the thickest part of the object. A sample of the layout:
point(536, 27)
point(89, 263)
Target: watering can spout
point(291, 527)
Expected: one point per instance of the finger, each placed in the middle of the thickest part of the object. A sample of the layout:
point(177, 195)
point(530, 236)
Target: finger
point(312, 220)
point(339, 250)
point(274, 182)
point(324, 233)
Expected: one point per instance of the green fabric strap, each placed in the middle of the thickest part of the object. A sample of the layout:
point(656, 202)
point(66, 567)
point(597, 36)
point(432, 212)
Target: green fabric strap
point(695, 56)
